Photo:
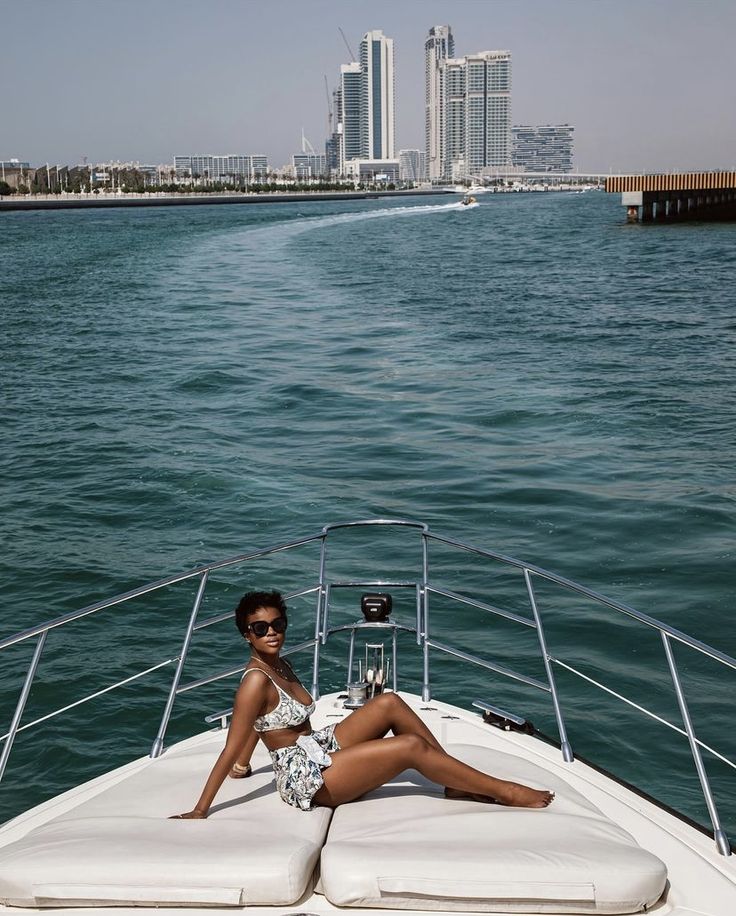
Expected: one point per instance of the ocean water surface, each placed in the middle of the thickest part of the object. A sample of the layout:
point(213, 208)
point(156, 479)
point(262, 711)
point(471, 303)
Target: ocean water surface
point(534, 376)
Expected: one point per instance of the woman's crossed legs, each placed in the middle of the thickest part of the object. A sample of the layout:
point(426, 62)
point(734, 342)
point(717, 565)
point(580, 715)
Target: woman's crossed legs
point(385, 713)
point(367, 761)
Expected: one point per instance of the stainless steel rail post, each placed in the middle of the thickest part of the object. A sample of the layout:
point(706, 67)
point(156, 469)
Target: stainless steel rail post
point(567, 754)
point(21, 705)
point(158, 743)
point(351, 657)
point(326, 614)
point(394, 653)
point(426, 688)
point(724, 847)
point(420, 598)
point(321, 597)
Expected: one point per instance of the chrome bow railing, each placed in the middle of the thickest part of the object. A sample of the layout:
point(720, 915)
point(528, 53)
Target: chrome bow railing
point(423, 587)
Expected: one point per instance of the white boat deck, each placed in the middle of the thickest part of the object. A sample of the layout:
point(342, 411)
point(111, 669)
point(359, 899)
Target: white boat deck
point(94, 840)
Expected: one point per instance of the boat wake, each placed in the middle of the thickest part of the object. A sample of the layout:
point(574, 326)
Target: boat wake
point(305, 223)
point(384, 212)
point(261, 244)
point(338, 219)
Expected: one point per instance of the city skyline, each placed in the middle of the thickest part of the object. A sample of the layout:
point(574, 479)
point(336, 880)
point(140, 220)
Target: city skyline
point(162, 79)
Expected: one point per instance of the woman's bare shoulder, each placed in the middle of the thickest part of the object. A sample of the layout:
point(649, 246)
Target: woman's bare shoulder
point(253, 688)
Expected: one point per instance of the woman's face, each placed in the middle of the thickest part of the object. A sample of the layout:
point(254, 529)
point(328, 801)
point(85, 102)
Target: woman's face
point(271, 643)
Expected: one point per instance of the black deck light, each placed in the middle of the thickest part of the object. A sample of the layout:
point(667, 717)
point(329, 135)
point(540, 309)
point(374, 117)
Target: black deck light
point(376, 607)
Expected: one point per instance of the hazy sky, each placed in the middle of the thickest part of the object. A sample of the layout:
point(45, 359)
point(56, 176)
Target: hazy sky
point(648, 84)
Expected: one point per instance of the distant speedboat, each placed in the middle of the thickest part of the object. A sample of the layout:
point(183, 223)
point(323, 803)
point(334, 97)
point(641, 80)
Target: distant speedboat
point(473, 189)
point(468, 201)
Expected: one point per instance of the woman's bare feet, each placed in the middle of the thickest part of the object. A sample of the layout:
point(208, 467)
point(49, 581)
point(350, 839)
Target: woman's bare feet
point(458, 794)
point(240, 771)
point(513, 795)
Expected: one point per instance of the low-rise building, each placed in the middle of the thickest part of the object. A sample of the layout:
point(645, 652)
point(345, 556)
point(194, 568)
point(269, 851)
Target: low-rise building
point(373, 170)
point(309, 165)
point(16, 174)
point(222, 168)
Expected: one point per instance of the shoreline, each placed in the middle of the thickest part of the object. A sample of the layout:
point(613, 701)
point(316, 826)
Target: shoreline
point(95, 201)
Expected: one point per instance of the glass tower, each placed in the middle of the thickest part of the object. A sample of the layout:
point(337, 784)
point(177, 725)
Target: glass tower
point(475, 113)
point(439, 46)
point(377, 96)
point(350, 117)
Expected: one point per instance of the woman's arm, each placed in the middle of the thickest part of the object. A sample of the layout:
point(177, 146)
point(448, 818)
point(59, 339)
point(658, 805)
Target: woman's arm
point(241, 767)
point(249, 701)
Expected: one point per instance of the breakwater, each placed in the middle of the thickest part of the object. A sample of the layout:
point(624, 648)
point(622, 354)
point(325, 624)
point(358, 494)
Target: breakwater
point(103, 201)
point(687, 195)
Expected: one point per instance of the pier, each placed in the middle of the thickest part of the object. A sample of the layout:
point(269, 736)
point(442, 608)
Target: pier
point(686, 195)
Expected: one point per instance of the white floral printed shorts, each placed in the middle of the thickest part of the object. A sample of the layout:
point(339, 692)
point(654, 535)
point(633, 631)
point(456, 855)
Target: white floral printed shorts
point(299, 766)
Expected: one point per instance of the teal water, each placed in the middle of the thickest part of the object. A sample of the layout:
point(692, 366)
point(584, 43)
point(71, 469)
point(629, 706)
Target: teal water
point(534, 376)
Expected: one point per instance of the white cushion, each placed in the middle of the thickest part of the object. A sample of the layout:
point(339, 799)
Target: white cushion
point(410, 848)
point(119, 848)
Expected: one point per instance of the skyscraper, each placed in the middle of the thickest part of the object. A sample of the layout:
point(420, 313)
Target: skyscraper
point(333, 144)
point(439, 46)
point(350, 118)
point(468, 108)
point(363, 104)
point(476, 97)
point(452, 117)
point(377, 96)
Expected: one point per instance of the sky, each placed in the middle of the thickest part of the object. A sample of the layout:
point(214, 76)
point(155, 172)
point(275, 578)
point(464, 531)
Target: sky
point(648, 84)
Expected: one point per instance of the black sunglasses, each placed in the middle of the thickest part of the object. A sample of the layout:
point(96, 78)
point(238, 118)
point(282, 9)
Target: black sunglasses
point(259, 628)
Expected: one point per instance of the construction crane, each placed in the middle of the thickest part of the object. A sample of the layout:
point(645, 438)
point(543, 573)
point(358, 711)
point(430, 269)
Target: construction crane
point(350, 50)
point(329, 108)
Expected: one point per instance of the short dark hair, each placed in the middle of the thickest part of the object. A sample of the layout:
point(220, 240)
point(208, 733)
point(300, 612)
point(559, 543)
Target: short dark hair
point(252, 601)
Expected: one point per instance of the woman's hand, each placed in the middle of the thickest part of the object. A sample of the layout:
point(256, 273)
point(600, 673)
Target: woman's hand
point(249, 700)
point(194, 815)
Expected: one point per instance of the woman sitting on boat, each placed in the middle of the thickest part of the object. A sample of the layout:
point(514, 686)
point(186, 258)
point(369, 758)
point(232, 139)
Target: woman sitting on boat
point(341, 762)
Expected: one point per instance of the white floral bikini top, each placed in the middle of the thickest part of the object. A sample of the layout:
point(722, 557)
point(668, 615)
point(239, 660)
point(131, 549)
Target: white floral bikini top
point(287, 714)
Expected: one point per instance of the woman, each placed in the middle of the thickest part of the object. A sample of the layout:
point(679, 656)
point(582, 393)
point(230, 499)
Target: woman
point(341, 762)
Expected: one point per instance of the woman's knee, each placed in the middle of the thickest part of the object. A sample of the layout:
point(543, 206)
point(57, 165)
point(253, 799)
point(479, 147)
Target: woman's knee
point(389, 702)
point(412, 745)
